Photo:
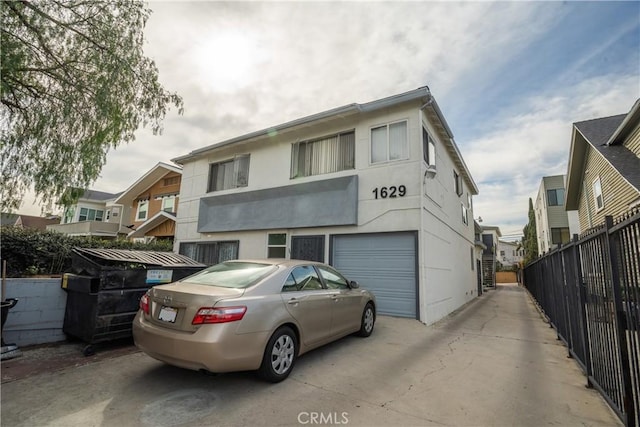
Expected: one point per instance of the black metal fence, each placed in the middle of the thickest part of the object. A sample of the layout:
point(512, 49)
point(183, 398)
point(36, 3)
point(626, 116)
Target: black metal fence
point(590, 291)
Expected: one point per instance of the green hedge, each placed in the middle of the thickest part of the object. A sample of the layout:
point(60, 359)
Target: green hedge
point(30, 252)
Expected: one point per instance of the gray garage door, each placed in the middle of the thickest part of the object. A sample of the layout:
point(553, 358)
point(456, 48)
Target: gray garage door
point(383, 263)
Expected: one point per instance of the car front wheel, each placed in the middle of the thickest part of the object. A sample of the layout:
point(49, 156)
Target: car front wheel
point(279, 355)
point(368, 320)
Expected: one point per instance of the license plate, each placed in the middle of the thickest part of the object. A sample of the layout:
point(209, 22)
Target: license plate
point(168, 314)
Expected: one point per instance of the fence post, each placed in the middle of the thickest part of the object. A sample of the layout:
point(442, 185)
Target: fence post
point(582, 297)
point(623, 350)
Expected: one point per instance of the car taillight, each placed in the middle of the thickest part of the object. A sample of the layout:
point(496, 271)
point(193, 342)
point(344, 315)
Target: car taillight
point(144, 304)
point(218, 315)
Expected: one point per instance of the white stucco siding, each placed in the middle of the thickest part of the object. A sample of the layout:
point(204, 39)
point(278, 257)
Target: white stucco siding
point(447, 280)
point(427, 205)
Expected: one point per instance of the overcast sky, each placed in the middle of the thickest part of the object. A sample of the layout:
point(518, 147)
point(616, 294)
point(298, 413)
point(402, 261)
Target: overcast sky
point(510, 78)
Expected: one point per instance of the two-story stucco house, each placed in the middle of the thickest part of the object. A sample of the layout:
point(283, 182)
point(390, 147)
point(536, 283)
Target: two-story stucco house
point(510, 254)
point(603, 176)
point(379, 190)
point(554, 224)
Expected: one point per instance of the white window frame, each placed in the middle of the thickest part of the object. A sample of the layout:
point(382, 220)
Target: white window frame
point(322, 155)
point(240, 174)
point(597, 192)
point(429, 148)
point(465, 214)
point(98, 214)
point(142, 208)
point(167, 202)
point(387, 142)
point(277, 246)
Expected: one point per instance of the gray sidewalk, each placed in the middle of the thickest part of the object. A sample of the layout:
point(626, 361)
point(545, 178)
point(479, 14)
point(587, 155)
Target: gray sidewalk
point(494, 363)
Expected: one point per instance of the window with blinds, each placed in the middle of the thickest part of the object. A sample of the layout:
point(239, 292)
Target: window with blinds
point(230, 174)
point(326, 155)
point(389, 142)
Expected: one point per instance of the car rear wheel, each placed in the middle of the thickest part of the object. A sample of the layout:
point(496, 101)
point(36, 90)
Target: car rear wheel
point(368, 321)
point(279, 356)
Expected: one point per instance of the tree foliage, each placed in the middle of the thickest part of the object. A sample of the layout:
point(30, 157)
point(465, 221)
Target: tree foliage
point(530, 239)
point(29, 251)
point(74, 83)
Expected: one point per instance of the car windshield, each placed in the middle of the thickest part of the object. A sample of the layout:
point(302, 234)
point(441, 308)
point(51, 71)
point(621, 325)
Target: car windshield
point(232, 274)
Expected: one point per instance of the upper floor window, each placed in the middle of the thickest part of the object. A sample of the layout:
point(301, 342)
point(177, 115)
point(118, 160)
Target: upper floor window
point(88, 214)
point(229, 174)
point(168, 202)
point(143, 209)
point(560, 235)
point(428, 148)
point(465, 214)
point(598, 200)
point(326, 155)
point(555, 197)
point(389, 142)
point(457, 182)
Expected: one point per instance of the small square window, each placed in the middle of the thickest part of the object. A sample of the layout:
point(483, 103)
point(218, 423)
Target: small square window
point(555, 197)
point(277, 245)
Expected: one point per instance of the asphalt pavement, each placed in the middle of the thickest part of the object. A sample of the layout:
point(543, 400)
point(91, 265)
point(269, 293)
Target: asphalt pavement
point(493, 363)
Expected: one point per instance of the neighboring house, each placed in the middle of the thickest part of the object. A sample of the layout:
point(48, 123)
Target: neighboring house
point(28, 221)
point(89, 216)
point(379, 190)
point(510, 254)
point(554, 224)
point(603, 176)
point(145, 211)
point(490, 238)
point(151, 203)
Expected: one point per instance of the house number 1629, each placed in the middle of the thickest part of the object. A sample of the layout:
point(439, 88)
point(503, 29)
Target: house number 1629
point(390, 192)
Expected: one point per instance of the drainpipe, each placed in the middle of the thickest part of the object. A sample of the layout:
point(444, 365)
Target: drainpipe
point(422, 275)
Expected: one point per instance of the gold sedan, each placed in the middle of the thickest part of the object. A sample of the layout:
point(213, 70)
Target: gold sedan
point(251, 315)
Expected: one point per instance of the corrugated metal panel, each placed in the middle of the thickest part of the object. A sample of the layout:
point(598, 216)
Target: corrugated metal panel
point(164, 259)
point(384, 264)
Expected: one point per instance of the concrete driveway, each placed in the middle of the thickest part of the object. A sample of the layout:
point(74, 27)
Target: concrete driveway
point(495, 362)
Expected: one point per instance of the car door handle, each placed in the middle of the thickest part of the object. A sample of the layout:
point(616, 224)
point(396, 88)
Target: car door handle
point(334, 297)
point(293, 301)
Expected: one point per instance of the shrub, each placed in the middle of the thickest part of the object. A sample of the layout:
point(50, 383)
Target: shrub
point(29, 251)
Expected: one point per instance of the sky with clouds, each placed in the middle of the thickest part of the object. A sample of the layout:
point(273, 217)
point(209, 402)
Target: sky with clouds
point(510, 78)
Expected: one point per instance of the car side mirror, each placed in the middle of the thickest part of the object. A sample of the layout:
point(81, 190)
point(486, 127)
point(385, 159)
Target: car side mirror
point(353, 284)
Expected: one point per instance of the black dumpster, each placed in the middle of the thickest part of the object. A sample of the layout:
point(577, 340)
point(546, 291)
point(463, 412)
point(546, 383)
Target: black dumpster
point(105, 286)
